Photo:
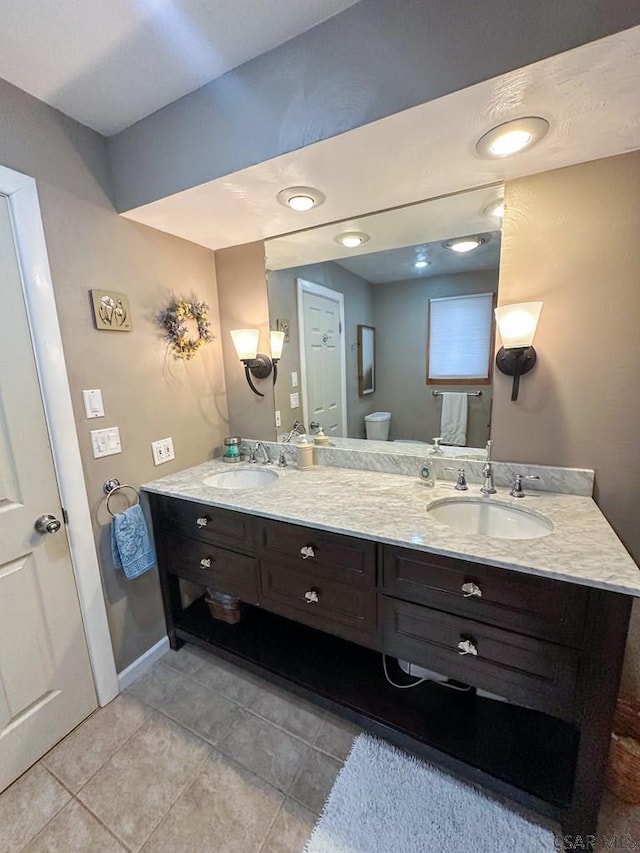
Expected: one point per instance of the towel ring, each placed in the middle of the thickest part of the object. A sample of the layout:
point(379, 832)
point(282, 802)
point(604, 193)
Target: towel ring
point(112, 486)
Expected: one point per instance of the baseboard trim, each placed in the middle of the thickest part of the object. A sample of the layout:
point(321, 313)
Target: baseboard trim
point(142, 664)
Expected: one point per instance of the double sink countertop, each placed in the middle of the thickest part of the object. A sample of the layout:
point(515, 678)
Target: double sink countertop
point(392, 508)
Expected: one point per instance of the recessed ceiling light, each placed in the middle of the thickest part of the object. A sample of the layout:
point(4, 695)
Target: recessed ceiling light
point(420, 265)
point(465, 244)
point(512, 136)
point(495, 209)
point(352, 239)
point(300, 198)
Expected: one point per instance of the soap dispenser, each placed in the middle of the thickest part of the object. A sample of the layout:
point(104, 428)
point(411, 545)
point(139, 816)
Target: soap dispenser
point(426, 475)
point(305, 453)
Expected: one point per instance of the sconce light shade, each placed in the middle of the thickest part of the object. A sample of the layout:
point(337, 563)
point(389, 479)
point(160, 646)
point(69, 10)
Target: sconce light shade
point(257, 363)
point(517, 326)
point(276, 339)
point(246, 342)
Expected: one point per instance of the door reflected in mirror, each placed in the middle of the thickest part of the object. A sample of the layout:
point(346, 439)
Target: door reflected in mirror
point(359, 329)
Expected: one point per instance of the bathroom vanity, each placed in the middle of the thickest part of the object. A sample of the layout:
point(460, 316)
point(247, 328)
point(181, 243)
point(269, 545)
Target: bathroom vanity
point(336, 566)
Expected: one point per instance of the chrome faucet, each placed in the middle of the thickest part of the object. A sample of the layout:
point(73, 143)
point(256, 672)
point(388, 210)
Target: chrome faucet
point(253, 454)
point(487, 487)
point(516, 491)
point(461, 483)
point(297, 429)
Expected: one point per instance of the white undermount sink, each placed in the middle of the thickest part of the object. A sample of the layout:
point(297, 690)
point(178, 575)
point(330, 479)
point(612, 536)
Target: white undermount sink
point(486, 517)
point(241, 478)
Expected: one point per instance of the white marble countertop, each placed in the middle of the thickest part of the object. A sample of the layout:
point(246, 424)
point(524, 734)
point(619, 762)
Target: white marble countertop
point(392, 508)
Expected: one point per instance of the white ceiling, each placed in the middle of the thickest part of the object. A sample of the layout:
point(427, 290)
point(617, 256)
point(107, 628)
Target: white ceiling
point(590, 96)
point(109, 63)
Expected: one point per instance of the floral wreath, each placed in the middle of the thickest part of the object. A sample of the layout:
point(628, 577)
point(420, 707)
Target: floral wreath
point(172, 319)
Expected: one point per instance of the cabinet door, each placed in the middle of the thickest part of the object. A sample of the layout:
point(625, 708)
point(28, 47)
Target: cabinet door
point(523, 669)
point(542, 607)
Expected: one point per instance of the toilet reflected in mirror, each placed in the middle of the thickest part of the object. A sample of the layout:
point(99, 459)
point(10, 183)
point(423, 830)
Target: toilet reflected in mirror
point(444, 254)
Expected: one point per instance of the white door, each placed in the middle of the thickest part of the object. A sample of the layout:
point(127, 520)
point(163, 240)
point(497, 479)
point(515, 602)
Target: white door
point(323, 361)
point(46, 684)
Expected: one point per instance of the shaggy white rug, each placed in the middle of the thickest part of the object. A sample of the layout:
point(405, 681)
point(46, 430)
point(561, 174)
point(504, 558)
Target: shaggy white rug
point(385, 801)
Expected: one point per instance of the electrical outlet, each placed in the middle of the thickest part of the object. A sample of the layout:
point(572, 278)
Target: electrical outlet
point(278, 418)
point(294, 400)
point(162, 451)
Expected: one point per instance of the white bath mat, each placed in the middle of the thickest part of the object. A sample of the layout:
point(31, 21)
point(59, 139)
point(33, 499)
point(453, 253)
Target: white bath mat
point(385, 801)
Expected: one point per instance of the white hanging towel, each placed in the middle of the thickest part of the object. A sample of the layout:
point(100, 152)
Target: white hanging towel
point(453, 421)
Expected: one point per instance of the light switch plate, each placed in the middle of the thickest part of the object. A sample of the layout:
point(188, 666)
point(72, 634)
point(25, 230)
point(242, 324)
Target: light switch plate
point(278, 418)
point(105, 442)
point(93, 406)
point(162, 451)
point(294, 378)
point(295, 400)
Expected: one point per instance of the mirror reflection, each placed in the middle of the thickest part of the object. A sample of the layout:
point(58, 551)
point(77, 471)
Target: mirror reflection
point(388, 322)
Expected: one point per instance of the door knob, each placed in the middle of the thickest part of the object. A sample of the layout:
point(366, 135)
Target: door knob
point(47, 524)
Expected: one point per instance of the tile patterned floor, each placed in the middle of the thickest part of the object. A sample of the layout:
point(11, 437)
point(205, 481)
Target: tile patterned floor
point(195, 757)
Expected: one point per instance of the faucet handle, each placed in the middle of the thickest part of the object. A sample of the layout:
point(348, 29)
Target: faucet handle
point(516, 491)
point(461, 484)
point(489, 448)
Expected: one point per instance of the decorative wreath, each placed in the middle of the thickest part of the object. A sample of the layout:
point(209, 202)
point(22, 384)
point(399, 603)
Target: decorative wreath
point(172, 319)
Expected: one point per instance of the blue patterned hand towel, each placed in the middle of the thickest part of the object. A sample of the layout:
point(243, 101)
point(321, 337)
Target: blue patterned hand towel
point(131, 546)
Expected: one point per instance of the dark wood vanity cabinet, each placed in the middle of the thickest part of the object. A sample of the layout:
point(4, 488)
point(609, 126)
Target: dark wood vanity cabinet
point(324, 605)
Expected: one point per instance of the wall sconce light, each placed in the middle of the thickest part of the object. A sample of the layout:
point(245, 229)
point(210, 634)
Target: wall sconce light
point(517, 325)
point(257, 363)
point(276, 340)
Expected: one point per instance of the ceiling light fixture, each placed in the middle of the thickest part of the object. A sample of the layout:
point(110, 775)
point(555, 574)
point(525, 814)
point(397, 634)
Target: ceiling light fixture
point(352, 239)
point(465, 244)
point(300, 198)
point(512, 136)
point(421, 264)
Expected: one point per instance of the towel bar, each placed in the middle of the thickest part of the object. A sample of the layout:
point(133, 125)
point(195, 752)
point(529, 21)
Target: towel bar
point(468, 393)
point(110, 487)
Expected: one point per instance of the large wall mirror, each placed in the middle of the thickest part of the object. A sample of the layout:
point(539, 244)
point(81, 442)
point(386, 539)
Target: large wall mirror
point(427, 298)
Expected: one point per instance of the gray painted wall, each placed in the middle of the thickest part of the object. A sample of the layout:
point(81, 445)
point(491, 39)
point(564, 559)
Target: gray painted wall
point(570, 239)
point(358, 309)
point(400, 311)
point(146, 393)
point(242, 293)
point(377, 58)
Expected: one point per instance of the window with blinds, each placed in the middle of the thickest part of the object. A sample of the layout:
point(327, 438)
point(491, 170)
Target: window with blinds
point(460, 339)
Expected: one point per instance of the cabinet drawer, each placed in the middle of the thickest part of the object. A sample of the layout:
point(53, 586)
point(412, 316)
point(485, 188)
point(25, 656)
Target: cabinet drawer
point(328, 555)
point(531, 605)
point(522, 669)
point(209, 524)
point(338, 608)
point(213, 567)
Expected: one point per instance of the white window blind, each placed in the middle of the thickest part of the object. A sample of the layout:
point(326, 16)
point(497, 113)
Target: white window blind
point(460, 337)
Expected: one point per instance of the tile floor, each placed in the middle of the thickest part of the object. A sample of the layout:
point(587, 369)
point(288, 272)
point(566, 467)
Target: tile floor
point(197, 756)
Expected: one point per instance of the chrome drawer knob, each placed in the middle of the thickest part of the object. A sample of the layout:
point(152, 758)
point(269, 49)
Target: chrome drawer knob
point(202, 521)
point(311, 596)
point(307, 551)
point(466, 647)
point(206, 562)
point(469, 589)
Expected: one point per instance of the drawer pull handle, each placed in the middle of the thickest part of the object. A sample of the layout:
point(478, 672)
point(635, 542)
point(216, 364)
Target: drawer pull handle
point(470, 589)
point(205, 562)
point(307, 552)
point(311, 596)
point(202, 521)
point(466, 647)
